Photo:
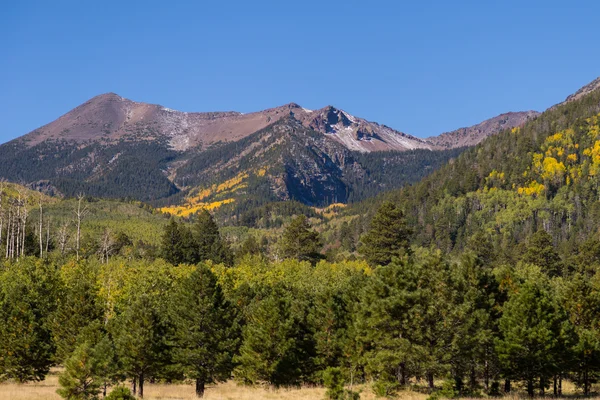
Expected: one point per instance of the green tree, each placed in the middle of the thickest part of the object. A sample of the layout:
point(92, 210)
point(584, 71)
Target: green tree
point(581, 299)
point(388, 236)
point(277, 346)
point(27, 298)
point(79, 381)
point(300, 242)
point(140, 336)
point(250, 246)
point(172, 243)
point(402, 319)
point(205, 329)
point(208, 241)
point(540, 251)
point(533, 331)
point(78, 305)
point(120, 393)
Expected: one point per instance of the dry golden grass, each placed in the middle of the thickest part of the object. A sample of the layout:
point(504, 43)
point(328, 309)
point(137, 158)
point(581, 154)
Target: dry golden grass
point(46, 390)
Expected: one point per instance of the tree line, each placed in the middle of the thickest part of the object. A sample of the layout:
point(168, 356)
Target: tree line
point(402, 315)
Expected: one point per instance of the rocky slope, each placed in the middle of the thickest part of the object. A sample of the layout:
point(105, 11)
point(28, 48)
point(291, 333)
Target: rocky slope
point(114, 147)
point(472, 135)
point(110, 117)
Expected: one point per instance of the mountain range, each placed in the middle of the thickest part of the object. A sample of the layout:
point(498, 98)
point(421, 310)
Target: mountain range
point(110, 146)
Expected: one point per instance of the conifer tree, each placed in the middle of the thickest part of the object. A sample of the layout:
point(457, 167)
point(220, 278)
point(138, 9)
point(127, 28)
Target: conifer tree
point(300, 242)
point(172, 243)
point(277, 346)
point(208, 241)
point(205, 329)
point(140, 337)
point(79, 381)
point(388, 236)
point(533, 332)
point(27, 299)
point(540, 251)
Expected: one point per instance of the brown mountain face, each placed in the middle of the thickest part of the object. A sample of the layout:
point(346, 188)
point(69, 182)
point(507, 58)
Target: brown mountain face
point(109, 117)
point(474, 134)
point(114, 147)
point(590, 87)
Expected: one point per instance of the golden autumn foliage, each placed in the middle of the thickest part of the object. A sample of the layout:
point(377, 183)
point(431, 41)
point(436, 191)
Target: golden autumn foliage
point(198, 202)
point(534, 189)
point(187, 210)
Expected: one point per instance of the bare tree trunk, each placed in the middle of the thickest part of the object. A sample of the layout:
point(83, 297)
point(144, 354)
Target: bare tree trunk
point(24, 221)
point(8, 232)
point(1, 210)
point(41, 228)
point(80, 213)
point(507, 386)
point(17, 239)
point(47, 236)
point(133, 386)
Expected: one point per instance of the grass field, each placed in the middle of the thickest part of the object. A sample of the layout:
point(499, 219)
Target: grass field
point(46, 390)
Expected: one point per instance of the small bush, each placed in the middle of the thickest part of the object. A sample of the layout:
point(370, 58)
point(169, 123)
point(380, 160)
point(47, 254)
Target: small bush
point(385, 388)
point(120, 393)
point(334, 382)
point(448, 391)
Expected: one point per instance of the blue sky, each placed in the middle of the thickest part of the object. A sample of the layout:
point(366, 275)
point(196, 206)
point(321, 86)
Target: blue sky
point(422, 67)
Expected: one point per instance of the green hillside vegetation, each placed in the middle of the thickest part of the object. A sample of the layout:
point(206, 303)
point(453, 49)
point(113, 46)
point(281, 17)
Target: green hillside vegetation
point(541, 176)
point(484, 276)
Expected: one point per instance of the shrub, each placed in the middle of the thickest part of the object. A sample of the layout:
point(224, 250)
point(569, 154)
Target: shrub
point(120, 393)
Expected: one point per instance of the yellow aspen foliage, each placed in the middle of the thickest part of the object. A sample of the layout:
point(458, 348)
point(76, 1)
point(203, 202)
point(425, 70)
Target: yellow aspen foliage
point(534, 189)
point(553, 169)
point(261, 172)
point(187, 210)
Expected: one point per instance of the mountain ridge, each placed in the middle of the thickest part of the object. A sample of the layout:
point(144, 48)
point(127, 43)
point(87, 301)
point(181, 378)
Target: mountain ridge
point(110, 117)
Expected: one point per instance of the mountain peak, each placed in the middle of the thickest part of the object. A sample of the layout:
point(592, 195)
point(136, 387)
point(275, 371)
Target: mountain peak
point(590, 87)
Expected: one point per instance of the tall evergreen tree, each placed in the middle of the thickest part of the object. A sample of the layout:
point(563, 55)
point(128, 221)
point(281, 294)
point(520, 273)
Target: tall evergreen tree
point(388, 236)
point(277, 346)
point(140, 335)
point(533, 332)
point(540, 251)
point(172, 243)
point(205, 329)
point(300, 242)
point(27, 299)
point(208, 241)
point(79, 381)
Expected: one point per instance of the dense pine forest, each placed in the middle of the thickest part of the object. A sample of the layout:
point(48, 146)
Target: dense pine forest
point(483, 279)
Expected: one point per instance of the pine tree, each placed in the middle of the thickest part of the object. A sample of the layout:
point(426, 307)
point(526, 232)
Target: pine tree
point(140, 337)
point(208, 241)
point(388, 236)
point(277, 346)
point(300, 242)
point(78, 381)
point(402, 320)
point(533, 332)
point(78, 306)
point(540, 251)
point(27, 299)
point(172, 243)
point(205, 329)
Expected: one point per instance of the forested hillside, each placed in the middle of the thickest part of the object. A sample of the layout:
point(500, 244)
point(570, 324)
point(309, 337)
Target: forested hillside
point(481, 279)
point(543, 175)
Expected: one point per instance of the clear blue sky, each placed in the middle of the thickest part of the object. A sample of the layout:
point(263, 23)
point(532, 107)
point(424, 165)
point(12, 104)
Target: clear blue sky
point(422, 67)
